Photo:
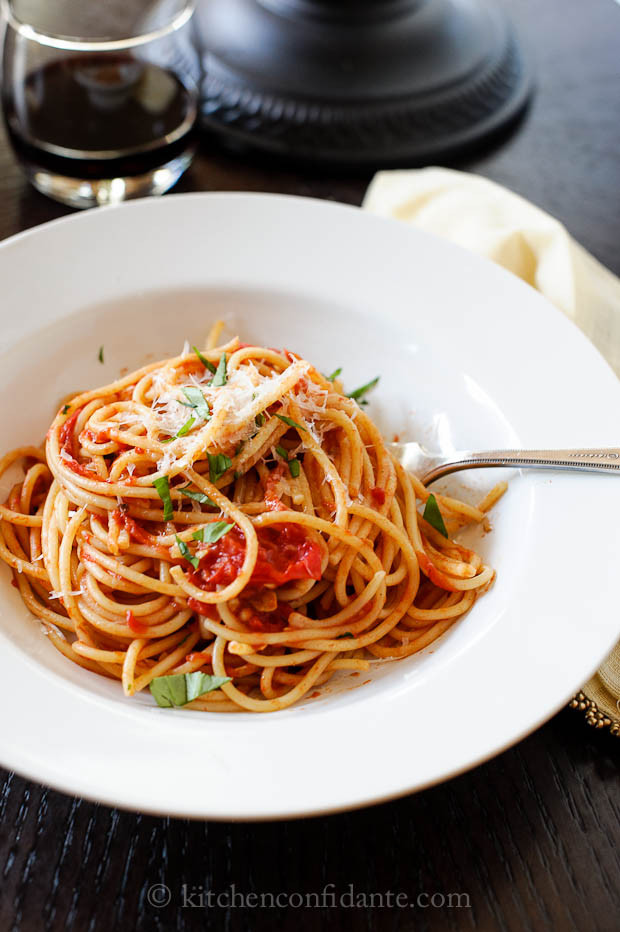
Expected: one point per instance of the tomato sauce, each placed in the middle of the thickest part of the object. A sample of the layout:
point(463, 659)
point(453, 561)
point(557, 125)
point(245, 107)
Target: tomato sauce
point(66, 434)
point(285, 553)
point(103, 436)
point(120, 517)
point(135, 626)
point(436, 576)
point(203, 608)
point(257, 621)
point(270, 621)
point(68, 446)
point(378, 496)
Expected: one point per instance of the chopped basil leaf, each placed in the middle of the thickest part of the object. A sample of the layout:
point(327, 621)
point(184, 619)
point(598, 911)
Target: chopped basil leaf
point(197, 401)
point(259, 420)
point(433, 515)
point(199, 497)
point(100, 354)
point(334, 375)
point(219, 378)
point(65, 408)
point(186, 552)
point(218, 464)
point(213, 532)
point(180, 688)
point(347, 634)
point(290, 422)
point(361, 391)
point(163, 490)
point(181, 432)
point(208, 365)
point(237, 474)
point(186, 427)
point(293, 465)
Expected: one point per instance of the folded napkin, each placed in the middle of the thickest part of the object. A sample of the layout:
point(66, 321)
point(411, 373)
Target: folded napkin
point(492, 221)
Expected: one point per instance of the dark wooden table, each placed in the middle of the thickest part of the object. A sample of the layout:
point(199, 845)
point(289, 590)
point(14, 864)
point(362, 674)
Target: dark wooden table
point(529, 840)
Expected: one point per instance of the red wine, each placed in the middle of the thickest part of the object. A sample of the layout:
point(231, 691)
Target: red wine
point(100, 116)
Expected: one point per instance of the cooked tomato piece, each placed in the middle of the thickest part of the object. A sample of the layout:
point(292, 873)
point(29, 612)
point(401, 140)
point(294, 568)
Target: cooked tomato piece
point(285, 553)
point(270, 621)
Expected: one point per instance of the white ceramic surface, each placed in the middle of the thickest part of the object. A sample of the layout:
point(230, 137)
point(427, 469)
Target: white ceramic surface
point(467, 355)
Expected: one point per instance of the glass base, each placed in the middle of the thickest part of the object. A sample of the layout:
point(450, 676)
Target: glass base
point(83, 193)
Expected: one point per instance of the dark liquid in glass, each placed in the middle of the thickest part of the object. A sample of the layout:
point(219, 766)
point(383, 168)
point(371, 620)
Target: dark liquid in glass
point(100, 116)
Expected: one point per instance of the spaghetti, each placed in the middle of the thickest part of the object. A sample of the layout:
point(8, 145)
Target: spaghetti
point(231, 521)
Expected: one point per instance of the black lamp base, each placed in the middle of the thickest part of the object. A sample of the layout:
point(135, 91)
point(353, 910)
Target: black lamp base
point(359, 82)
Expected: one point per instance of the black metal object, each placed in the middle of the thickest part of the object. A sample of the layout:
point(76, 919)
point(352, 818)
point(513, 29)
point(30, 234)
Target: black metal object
point(359, 82)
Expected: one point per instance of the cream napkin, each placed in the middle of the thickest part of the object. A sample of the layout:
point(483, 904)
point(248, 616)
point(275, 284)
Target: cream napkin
point(492, 221)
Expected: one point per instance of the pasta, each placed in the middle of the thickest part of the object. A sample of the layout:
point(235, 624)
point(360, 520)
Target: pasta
point(229, 528)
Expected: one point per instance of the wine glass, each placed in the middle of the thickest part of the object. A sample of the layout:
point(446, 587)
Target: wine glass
point(100, 100)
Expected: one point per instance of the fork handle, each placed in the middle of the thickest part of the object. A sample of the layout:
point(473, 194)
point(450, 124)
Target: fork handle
point(581, 460)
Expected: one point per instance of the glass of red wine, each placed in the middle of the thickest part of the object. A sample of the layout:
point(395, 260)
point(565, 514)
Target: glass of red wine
point(100, 99)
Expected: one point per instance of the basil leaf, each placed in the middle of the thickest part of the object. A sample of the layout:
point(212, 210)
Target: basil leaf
point(433, 515)
point(65, 408)
point(197, 401)
point(293, 465)
point(361, 391)
point(208, 365)
point(100, 354)
point(212, 533)
point(181, 432)
point(199, 497)
point(203, 683)
point(186, 427)
point(290, 422)
point(259, 420)
point(220, 377)
point(334, 375)
point(186, 552)
point(347, 634)
point(163, 490)
point(218, 464)
point(180, 688)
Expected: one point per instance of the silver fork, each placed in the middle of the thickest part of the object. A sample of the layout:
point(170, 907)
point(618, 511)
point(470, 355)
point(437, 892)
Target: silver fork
point(429, 466)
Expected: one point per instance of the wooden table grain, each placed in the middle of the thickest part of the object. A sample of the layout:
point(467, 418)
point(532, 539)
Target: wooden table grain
point(528, 841)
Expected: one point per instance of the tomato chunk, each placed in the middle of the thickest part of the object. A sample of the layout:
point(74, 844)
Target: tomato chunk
point(285, 553)
point(270, 621)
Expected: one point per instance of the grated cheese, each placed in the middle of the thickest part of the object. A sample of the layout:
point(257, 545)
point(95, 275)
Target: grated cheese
point(59, 595)
point(234, 407)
